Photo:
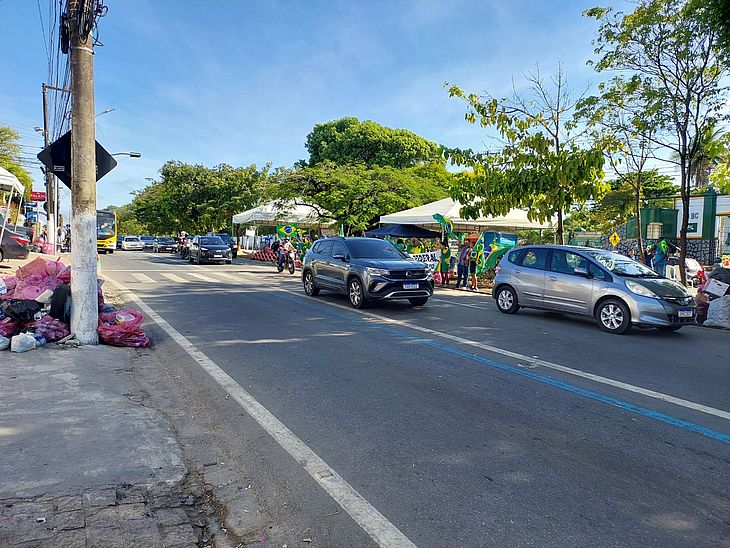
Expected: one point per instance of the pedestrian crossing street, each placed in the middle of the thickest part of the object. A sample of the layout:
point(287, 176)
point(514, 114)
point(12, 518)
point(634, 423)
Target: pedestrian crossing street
point(152, 277)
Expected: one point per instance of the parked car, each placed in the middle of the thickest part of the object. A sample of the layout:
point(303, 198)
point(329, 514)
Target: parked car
point(148, 241)
point(164, 244)
point(228, 240)
point(14, 245)
point(209, 249)
point(615, 290)
point(132, 243)
point(365, 269)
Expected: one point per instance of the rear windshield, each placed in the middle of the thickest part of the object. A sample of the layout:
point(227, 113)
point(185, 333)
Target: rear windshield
point(374, 249)
point(211, 240)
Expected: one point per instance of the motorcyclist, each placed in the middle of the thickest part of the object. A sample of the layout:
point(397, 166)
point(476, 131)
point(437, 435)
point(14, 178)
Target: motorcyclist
point(284, 250)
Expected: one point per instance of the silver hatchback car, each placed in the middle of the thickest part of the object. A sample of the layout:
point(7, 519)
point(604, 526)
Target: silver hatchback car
point(615, 290)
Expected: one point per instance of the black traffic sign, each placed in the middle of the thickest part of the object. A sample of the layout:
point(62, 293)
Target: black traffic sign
point(57, 159)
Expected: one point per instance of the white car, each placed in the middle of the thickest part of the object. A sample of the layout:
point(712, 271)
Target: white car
point(132, 243)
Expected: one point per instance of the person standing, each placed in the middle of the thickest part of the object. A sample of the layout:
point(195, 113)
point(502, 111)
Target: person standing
point(462, 267)
point(473, 270)
point(445, 263)
point(661, 259)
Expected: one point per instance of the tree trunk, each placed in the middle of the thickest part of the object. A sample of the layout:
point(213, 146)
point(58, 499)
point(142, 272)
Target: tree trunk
point(684, 192)
point(639, 239)
point(560, 228)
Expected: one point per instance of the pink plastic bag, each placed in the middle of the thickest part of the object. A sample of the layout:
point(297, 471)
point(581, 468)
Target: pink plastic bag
point(51, 328)
point(122, 328)
point(37, 276)
point(9, 327)
point(437, 278)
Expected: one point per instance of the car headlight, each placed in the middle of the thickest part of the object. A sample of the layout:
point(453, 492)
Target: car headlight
point(377, 271)
point(642, 290)
point(204, 249)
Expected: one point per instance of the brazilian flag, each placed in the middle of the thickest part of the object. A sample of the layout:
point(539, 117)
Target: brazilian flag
point(496, 251)
point(446, 225)
point(286, 231)
point(477, 253)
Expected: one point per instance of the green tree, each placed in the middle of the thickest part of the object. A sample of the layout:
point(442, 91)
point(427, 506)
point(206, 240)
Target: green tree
point(196, 198)
point(355, 196)
point(350, 141)
point(128, 223)
point(718, 16)
point(670, 62)
point(540, 167)
point(10, 157)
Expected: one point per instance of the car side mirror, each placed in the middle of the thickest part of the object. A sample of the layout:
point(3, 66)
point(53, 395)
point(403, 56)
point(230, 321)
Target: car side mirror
point(582, 271)
point(340, 256)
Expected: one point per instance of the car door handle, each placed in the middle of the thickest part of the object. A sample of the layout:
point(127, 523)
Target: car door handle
point(552, 278)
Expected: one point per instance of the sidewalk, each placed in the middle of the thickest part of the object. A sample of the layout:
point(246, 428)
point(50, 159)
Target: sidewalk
point(83, 462)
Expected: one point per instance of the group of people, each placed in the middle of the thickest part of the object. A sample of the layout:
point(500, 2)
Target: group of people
point(656, 255)
point(465, 263)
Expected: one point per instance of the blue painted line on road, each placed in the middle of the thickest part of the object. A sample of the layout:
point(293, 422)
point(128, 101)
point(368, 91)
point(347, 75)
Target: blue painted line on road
point(591, 394)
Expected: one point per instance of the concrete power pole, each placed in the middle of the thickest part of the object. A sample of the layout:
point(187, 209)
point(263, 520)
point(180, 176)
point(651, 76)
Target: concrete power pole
point(84, 311)
point(50, 200)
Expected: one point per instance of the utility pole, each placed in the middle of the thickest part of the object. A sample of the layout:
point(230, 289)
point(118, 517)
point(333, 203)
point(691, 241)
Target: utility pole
point(84, 311)
point(50, 201)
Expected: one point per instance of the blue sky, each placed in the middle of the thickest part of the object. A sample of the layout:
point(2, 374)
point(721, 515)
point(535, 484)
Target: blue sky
point(243, 82)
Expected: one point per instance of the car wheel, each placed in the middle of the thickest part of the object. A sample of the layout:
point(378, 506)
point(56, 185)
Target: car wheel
point(309, 287)
point(1, 255)
point(614, 317)
point(670, 328)
point(229, 261)
point(418, 301)
point(111, 251)
point(507, 300)
point(355, 293)
point(190, 259)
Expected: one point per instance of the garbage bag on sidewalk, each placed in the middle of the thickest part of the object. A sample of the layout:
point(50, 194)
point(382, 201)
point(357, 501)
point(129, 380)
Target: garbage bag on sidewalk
point(9, 327)
point(718, 313)
point(22, 343)
point(122, 328)
point(21, 310)
point(50, 328)
point(37, 276)
point(4, 342)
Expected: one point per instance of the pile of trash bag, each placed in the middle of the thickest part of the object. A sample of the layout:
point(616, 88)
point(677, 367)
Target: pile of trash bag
point(713, 299)
point(35, 309)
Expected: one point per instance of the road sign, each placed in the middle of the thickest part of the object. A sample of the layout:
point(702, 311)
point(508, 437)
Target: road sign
point(614, 239)
point(38, 196)
point(57, 159)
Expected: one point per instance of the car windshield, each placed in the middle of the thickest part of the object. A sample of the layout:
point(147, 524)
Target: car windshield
point(147, 238)
point(211, 240)
point(226, 238)
point(621, 265)
point(131, 239)
point(164, 240)
point(374, 249)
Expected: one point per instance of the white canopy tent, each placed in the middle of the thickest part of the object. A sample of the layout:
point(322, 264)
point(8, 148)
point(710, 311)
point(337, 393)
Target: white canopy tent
point(275, 213)
point(423, 216)
point(9, 184)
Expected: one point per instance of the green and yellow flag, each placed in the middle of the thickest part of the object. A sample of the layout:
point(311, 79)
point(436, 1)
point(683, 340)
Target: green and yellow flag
point(446, 225)
point(477, 253)
point(286, 231)
point(496, 251)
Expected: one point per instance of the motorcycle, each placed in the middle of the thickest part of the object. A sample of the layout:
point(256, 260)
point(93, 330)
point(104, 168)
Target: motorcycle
point(288, 263)
point(183, 248)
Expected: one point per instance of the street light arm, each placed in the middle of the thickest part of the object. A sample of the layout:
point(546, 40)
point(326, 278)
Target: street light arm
point(130, 154)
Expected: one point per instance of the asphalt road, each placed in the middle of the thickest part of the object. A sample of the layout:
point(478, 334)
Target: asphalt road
point(446, 421)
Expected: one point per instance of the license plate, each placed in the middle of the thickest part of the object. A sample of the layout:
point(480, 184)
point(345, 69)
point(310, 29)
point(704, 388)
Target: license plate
point(411, 285)
point(217, 256)
point(685, 313)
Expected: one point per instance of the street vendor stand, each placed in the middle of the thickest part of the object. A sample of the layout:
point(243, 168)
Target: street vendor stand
point(10, 185)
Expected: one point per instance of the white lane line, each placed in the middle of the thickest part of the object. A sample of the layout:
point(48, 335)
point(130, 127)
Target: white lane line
point(201, 277)
point(458, 304)
point(173, 277)
point(530, 360)
point(225, 276)
point(144, 278)
point(382, 531)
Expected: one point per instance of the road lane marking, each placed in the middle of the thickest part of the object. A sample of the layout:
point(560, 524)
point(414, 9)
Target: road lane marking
point(530, 360)
point(226, 276)
point(173, 277)
point(144, 278)
point(382, 531)
point(458, 304)
point(202, 277)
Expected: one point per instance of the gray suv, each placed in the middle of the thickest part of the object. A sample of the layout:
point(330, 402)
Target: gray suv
point(615, 290)
point(365, 269)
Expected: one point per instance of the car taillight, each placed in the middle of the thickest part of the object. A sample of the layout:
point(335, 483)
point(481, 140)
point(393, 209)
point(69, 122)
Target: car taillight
point(21, 241)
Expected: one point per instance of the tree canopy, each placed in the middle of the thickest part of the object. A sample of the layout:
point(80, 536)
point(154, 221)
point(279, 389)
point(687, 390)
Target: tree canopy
point(196, 198)
point(10, 157)
point(355, 196)
point(350, 141)
point(540, 166)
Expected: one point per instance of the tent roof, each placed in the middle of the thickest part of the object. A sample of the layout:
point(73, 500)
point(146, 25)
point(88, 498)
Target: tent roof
point(402, 231)
point(423, 215)
point(9, 182)
point(275, 213)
